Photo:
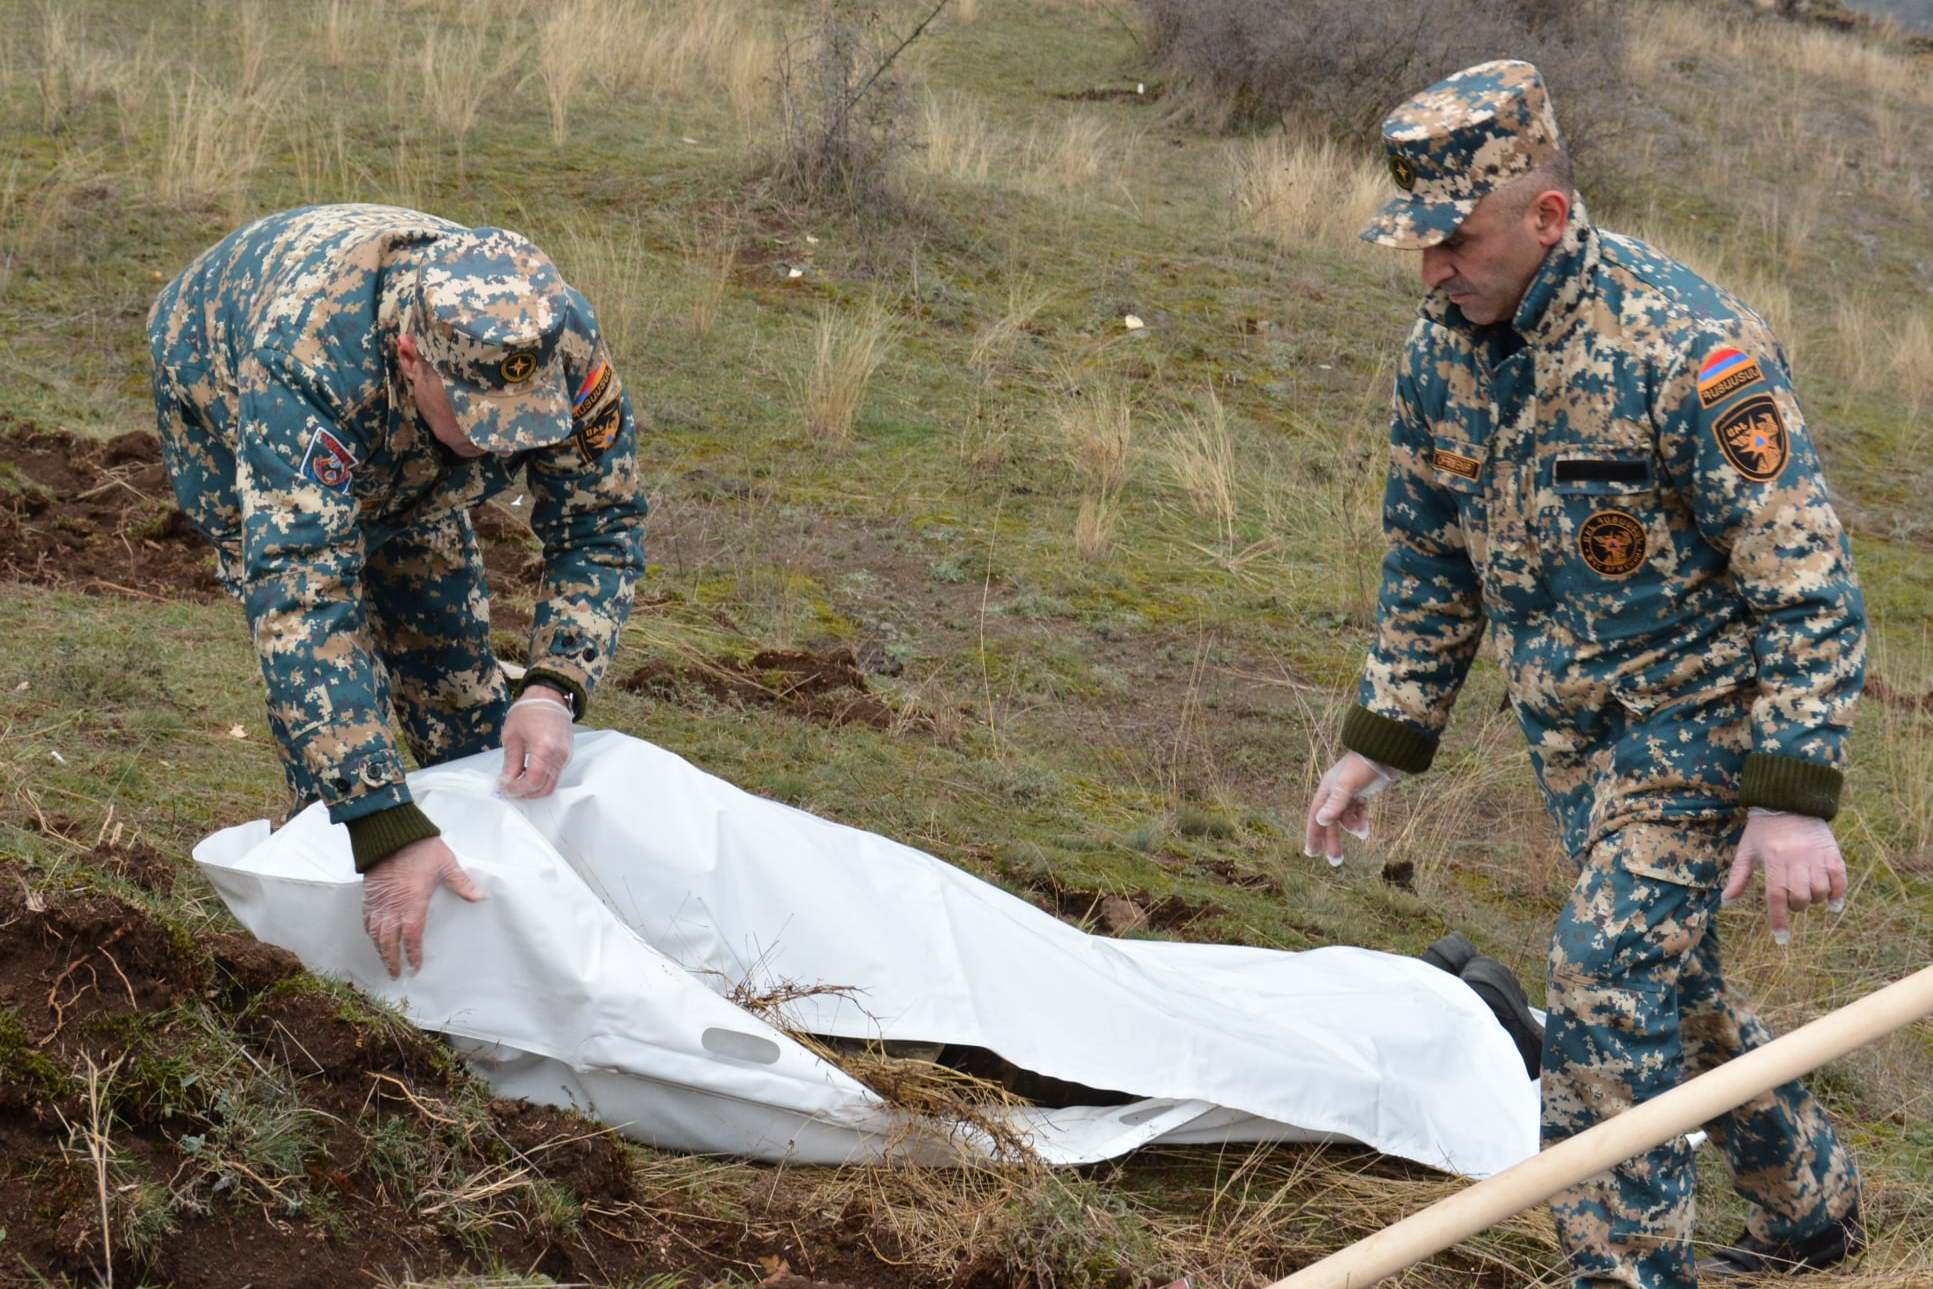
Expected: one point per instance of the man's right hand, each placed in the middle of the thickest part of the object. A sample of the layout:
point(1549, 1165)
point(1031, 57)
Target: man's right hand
point(1340, 805)
point(396, 898)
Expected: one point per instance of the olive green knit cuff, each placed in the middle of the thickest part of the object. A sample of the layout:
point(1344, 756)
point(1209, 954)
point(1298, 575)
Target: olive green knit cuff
point(1776, 782)
point(375, 837)
point(580, 697)
point(1396, 745)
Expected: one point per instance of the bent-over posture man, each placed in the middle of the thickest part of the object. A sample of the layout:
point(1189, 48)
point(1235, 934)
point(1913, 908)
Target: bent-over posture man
point(1600, 455)
point(337, 387)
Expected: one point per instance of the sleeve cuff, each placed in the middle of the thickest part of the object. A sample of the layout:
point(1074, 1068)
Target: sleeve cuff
point(580, 697)
point(1396, 745)
point(376, 837)
point(1786, 783)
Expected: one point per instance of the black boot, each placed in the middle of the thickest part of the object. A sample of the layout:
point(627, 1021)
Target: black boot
point(1816, 1252)
point(1500, 993)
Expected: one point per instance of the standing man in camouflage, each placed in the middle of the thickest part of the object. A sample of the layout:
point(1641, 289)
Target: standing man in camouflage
point(1601, 455)
point(337, 387)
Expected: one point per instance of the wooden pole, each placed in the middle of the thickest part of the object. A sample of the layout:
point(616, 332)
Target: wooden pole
point(1638, 1129)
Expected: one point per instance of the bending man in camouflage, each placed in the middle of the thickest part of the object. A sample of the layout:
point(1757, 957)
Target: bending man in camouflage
point(337, 387)
point(1600, 454)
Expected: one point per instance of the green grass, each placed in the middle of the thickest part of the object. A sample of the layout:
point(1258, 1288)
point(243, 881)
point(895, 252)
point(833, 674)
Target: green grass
point(1143, 724)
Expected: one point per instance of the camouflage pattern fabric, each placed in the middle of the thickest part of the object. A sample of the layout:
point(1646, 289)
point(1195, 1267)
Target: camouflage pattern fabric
point(1457, 141)
point(1637, 1003)
point(341, 523)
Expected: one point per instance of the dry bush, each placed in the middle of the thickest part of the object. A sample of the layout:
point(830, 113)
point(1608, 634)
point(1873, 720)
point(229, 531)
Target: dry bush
point(1200, 453)
point(1246, 64)
point(846, 351)
point(1097, 430)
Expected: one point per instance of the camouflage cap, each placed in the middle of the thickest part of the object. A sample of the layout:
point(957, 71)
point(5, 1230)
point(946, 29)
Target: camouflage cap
point(1458, 140)
point(490, 310)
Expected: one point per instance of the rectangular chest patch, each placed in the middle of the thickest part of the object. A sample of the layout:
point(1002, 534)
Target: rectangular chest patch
point(1725, 373)
point(1593, 470)
point(1456, 463)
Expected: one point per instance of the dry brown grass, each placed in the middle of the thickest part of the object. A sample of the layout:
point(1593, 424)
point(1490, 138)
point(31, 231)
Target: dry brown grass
point(569, 45)
point(959, 142)
point(994, 344)
point(1097, 432)
point(213, 143)
point(1200, 454)
point(846, 351)
point(458, 70)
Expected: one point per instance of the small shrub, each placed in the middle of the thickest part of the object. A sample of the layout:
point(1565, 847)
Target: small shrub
point(844, 116)
point(1247, 64)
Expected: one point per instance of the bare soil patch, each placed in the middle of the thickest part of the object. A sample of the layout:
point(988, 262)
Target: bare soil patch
point(208, 1045)
point(827, 688)
point(96, 516)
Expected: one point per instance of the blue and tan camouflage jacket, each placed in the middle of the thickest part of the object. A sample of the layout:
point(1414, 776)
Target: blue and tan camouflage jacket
point(1621, 483)
point(282, 338)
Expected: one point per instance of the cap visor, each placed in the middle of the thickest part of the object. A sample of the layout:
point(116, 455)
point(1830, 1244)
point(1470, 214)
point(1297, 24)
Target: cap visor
point(532, 417)
point(1411, 225)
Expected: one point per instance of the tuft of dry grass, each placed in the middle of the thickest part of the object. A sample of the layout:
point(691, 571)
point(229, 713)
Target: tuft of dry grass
point(68, 72)
point(1079, 156)
point(710, 257)
point(614, 270)
point(1097, 431)
point(569, 45)
point(994, 344)
point(959, 142)
point(213, 142)
point(458, 73)
point(846, 351)
point(1200, 453)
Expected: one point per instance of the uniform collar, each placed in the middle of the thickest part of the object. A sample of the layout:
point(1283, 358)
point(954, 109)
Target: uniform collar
point(1562, 282)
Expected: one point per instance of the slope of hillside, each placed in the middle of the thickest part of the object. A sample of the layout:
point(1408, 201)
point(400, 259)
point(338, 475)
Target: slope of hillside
point(1103, 589)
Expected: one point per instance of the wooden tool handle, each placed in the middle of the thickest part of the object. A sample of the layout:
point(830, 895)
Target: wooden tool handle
point(1637, 1130)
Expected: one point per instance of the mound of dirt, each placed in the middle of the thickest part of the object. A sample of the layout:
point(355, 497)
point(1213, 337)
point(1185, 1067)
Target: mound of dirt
point(100, 517)
point(250, 1124)
point(96, 516)
point(825, 688)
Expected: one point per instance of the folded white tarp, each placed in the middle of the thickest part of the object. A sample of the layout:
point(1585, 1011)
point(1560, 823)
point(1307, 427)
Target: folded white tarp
point(625, 907)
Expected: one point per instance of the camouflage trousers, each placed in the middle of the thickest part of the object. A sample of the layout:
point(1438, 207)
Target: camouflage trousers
point(1637, 1005)
point(425, 606)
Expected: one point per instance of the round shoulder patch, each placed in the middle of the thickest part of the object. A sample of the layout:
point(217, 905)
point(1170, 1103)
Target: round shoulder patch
point(518, 367)
point(1752, 436)
point(1612, 543)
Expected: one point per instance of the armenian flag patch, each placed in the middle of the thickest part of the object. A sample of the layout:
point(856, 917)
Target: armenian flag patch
point(1726, 372)
point(597, 410)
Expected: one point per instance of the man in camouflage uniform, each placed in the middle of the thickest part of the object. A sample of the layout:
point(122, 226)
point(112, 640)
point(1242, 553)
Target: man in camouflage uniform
point(1601, 455)
point(337, 388)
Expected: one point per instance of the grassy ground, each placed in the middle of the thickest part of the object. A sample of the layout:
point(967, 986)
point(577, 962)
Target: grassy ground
point(1115, 582)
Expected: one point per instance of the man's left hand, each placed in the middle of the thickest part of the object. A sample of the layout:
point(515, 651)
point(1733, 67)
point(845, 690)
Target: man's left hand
point(536, 743)
point(1802, 866)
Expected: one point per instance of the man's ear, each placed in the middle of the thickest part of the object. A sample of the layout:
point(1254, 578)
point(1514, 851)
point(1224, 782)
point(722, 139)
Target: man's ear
point(1549, 213)
point(408, 354)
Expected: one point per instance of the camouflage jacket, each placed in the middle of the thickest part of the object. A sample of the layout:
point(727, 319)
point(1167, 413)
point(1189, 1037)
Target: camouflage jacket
point(1620, 482)
point(282, 337)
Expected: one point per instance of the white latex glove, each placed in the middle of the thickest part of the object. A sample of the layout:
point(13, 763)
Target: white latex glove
point(1802, 866)
point(396, 898)
point(1340, 805)
point(536, 743)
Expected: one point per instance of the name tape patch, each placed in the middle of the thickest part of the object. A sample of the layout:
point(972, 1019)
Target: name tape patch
point(1456, 463)
point(1726, 372)
point(329, 461)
